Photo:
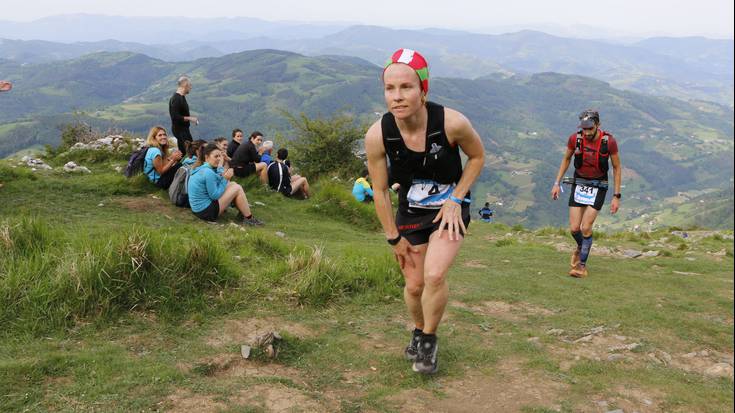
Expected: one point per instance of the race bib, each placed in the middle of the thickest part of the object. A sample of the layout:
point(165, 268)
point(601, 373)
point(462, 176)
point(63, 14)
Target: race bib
point(585, 195)
point(428, 194)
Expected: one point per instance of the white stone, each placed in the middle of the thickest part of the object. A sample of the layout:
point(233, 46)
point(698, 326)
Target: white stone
point(720, 370)
point(245, 351)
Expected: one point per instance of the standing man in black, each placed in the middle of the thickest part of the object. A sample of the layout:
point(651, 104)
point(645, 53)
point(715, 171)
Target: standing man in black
point(178, 108)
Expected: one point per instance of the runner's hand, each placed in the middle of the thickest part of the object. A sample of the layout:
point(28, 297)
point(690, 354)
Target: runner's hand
point(228, 174)
point(555, 192)
point(451, 217)
point(402, 252)
point(614, 205)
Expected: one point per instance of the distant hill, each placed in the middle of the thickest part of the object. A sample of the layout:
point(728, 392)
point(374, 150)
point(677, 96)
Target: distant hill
point(687, 68)
point(674, 152)
point(41, 51)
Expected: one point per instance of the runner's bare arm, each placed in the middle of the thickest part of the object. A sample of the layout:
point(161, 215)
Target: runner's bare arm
point(378, 169)
point(617, 181)
point(617, 172)
point(559, 175)
point(460, 132)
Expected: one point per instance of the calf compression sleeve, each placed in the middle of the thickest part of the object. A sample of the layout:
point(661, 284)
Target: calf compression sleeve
point(577, 235)
point(586, 246)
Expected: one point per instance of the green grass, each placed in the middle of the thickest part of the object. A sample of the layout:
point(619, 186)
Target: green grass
point(115, 300)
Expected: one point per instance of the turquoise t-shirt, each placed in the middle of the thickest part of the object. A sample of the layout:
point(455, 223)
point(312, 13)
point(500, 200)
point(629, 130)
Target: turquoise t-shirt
point(189, 161)
point(148, 168)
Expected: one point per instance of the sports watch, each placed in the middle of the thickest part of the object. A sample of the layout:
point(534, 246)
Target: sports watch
point(618, 195)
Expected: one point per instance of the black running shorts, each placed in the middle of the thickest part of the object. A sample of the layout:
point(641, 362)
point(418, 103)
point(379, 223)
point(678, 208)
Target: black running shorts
point(244, 171)
point(416, 228)
point(599, 199)
point(210, 213)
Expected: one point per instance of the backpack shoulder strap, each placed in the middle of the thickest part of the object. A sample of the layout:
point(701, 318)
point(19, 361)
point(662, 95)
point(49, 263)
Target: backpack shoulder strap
point(603, 144)
point(187, 171)
point(280, 175)
point(435, 125)
point(392, 140)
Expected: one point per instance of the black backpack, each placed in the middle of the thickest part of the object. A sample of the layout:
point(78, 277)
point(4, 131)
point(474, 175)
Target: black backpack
point(136, 162)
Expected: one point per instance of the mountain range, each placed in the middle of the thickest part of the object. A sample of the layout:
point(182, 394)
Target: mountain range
point(675, 153)
point(692, 68)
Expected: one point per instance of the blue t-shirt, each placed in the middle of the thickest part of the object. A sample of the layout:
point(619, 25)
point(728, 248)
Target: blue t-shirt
point(189, 161)
point(148, 168)
point(266, 157)
point(205, 185)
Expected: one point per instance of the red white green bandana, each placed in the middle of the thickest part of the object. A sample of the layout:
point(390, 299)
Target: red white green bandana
point(413, 59)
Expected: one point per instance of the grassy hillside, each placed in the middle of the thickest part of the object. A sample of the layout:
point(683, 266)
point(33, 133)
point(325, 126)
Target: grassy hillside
point(668, 146)
point(116, 300)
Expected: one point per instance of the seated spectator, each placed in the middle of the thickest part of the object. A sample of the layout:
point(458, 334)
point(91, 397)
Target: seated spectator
point(211, 192)
point(223, 145)
point(281, 180)
point(159, 165)
point(192, 149)
point(237, 136)
point(266, 150)
point(362, 191)
point(246, 160)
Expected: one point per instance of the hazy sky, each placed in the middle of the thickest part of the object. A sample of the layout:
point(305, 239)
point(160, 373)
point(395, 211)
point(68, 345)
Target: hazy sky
point(712, 18)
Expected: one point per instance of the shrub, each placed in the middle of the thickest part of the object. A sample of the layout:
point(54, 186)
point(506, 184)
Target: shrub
point(325, 146)
point(71, 133)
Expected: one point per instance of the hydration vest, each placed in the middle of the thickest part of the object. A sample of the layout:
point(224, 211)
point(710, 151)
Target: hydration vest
point(603, 154)
point(440, 161)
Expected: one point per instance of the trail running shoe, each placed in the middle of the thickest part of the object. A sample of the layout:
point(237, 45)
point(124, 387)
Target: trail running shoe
point(426, 362)
point(579, 271)
point(253, 222)
point(412, 350)
point(575, 258)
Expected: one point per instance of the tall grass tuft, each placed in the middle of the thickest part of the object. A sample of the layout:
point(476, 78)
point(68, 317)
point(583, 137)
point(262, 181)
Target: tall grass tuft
point(316, 279)
point(29, 236)
point(57, 281)
point(8, 173)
